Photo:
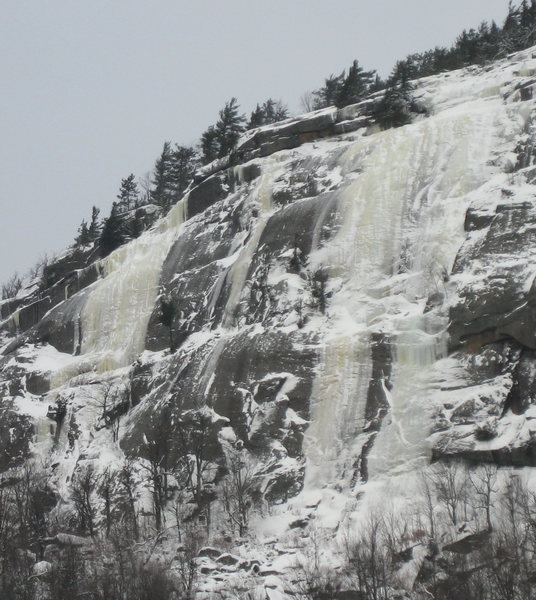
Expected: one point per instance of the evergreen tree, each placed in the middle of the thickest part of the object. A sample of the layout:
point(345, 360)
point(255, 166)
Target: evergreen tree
point(162, 191)
point(209, 145)
point(229, 127)
point(256, 118)
point(113, 232)
point(270, 112)
point(356, 85)
point(83, 238)
point(137, 226)
point(377, 84)
point(182, 169)
point(94, 226)
point(328, 94)
point(274, 111)
point(394, 110)
point(128, 193)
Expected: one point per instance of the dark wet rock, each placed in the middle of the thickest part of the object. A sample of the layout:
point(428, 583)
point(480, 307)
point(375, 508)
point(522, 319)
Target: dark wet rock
point(299, 524)
point(284, 485)
point(61, 327)
point(382, 359)
point(228, 560)
point(209, 552)
point(521, 455)
point(476, 219)
point(16, 433)
point(207, 193)
point(268, 389)
point(468, 543)
point(289, 134)
point(8, 307)
point(225, 374)
point(37, 383)
point(64, 266)
point(523, 392)
point(496, 301)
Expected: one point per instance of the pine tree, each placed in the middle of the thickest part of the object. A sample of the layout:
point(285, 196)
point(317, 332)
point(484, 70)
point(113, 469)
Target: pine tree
point(162, 191)
point(229, 127)
point(275, 111)
point(355, 86)
point(256, 118)
point(270, 112)
point(137, 226)
point(209, 145)
point(328, 94)
point(83, 238)
point(94, 226)
point(394, 110)
point(182, 169)
point(376, 85)
point(510, 30)
point(128, 193)
point(113, 232)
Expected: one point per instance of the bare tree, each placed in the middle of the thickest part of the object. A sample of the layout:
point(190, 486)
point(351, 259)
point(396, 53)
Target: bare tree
point(483, 481)
point(106, 492)
point(427, 489)
point(369, 562)
point(38, 269)
point(11, 287)
point(193, 436)
point(187, 564)
point(316, 581)
point(157, 451)
point(451, 486)
point(82, 489)
point(237, 490)
point(129, 489)
point(307, 101)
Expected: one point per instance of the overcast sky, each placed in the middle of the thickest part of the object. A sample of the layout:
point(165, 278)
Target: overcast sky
point(89, 91)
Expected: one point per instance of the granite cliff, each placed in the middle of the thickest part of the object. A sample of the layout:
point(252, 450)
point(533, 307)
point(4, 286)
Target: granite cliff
point(351, 305)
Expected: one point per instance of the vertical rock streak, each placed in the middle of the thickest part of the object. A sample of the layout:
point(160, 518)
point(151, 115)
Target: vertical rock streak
point(402, 223)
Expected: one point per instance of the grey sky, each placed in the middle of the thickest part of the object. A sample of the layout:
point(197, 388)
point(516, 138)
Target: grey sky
point(91, 90)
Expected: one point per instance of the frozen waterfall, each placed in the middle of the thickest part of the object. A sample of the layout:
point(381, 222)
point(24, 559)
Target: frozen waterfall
point(239, 270)
point(402, 220)
point(115, 317)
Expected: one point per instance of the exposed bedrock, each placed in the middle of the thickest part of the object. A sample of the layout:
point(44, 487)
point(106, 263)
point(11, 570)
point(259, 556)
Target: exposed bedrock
point(259, 382)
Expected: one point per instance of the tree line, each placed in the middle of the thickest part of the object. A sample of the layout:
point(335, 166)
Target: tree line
point(471, 534)
point(106, 538)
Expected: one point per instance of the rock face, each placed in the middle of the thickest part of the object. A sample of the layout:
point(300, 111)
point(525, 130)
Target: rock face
point(349, 304)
